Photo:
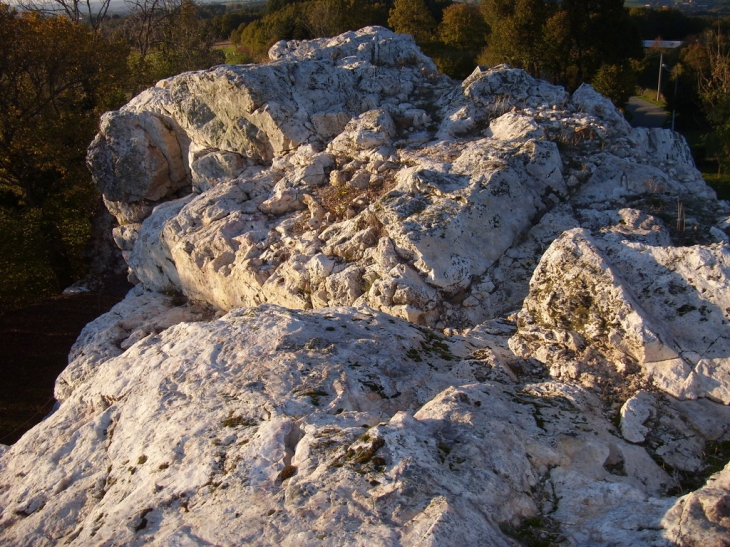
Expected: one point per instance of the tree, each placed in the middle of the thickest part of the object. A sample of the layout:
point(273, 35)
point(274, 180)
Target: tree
point(669, 24)
point(58, 73)
point(436, 8)
point(223, 25)
point(516, 33)
point(497, 10)
point(272, 6)
point(143, 26)
point(167, 37)
point(78, 11)
point(569, 41)
point(187, 41)
point(557, 49)
point(597, 33)
point(327, 17)
point(617, 82)
point(413, 17)
point(56, 77)
point(289, 23)
point(709, 59)
point(463, 27)
point(462, 35)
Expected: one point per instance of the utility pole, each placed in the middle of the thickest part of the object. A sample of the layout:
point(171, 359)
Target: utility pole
point(674, 107)
point(659, 85)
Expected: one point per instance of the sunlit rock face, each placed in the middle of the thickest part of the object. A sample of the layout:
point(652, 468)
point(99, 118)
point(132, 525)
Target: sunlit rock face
point(375, 306)
point(347, 172)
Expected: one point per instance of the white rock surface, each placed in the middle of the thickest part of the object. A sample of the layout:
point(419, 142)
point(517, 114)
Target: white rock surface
point(296, 228)
point(702, 517)
point(457, 216)
point(660, 311)
point(339, 426)
point(634, 414)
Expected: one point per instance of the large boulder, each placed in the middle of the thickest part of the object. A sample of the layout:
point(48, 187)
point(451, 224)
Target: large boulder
point(601, 307)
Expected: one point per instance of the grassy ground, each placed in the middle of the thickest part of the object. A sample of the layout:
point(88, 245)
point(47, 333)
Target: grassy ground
point(232, 56)
point(720, 182)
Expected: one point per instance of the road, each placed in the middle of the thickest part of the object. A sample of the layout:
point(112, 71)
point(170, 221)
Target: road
point(646, 114)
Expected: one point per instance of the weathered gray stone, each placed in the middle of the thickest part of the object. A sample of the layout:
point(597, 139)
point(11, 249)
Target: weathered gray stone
point(659, 310)
point(702, 517)
point(635, 412)
point(137, 156)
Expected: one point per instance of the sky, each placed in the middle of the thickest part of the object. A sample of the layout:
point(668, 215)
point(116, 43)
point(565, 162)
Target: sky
point(118, 6)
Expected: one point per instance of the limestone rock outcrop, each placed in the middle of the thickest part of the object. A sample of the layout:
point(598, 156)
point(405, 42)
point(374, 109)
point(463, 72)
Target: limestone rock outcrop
point(349, 172)
point(375, 306)
point(630, 306)
point(339, 426)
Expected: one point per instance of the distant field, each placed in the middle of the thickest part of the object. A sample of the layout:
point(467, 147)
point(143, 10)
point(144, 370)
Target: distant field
point(232, 58)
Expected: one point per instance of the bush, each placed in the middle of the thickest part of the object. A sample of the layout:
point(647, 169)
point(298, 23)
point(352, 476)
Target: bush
point(286, 24)
point(617, 82)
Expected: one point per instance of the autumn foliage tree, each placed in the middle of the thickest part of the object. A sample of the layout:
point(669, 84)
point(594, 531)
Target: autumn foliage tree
point(517, 33)
point(462, 27)
point(61, 66)
point(569, 42)
point(414, 18)
point(299, 20)
point(288, 23)
point(599, 32)
point(333, 17)
point(462, 35)
point(56, 77)
point(708, 59)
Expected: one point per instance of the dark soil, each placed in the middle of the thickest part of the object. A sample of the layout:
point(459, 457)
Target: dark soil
point(34, 346)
